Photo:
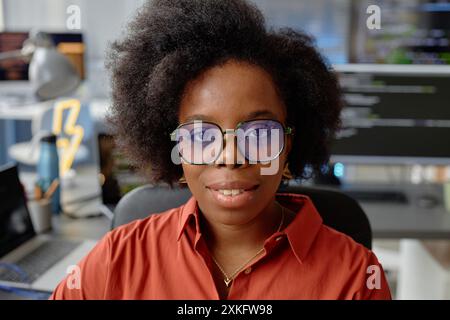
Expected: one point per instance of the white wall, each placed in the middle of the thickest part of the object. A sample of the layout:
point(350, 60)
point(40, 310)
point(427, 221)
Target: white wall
point(1, 15)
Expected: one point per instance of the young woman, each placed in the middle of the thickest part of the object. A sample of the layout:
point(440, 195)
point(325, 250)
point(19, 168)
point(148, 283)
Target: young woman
point(205, 82)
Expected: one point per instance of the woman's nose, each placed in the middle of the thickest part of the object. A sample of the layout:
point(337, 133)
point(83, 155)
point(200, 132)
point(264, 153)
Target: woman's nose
point(230, 155)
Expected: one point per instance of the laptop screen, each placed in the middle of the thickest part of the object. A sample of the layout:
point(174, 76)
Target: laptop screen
point(15, 222)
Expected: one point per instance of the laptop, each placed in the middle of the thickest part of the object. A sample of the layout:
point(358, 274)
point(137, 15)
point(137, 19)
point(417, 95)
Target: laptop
point(28, 260)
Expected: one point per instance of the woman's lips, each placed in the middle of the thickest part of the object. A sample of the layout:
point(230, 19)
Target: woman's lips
point(233, 194)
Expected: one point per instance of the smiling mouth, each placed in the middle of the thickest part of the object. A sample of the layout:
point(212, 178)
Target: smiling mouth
point(233, 195)
point(233, 192)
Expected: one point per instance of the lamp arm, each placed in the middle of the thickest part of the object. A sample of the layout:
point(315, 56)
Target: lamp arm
point(12, 55)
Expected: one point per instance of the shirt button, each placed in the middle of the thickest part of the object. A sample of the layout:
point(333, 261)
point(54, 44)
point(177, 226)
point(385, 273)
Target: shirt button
point(248, 270)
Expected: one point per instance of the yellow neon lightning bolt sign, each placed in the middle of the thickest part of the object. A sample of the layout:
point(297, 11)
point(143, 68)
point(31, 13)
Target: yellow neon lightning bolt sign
point(68, 148)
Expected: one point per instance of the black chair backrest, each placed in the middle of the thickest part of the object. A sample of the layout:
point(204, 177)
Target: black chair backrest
point(338, 210)
point(146, 200)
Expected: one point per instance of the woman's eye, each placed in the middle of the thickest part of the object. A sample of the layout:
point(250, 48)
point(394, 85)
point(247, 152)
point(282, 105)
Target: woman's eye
point(259, 133)
point(197, 136)
point(201, 136)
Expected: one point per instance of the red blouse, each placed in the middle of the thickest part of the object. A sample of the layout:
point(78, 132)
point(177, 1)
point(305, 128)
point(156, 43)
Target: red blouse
point(165, 257)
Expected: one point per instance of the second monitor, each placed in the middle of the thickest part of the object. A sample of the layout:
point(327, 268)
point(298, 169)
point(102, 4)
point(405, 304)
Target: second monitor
point(394, 114)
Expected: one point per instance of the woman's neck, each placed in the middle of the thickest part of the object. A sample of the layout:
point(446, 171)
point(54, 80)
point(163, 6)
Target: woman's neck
point(223, 239)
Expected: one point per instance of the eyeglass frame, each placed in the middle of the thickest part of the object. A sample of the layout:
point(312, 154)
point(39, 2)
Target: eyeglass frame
point(286, 130)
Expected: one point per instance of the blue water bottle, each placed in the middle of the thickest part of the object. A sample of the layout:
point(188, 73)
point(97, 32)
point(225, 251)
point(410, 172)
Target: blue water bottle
point(48, 169)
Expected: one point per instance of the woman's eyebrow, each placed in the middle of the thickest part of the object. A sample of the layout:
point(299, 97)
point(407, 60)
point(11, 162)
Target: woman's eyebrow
point(251, 115)
point(197, 117)
point(261, 113)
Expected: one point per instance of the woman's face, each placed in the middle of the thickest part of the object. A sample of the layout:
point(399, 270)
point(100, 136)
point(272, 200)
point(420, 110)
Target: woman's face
point(227, 95)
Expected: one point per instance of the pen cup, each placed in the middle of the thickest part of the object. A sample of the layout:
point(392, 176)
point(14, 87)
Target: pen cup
point(41, 214)
point(446, 190)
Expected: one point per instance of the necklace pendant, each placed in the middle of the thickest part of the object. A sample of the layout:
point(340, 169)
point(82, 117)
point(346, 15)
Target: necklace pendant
point(227, 282)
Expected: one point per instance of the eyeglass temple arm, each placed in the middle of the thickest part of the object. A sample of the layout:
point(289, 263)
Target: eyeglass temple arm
point(289, 130)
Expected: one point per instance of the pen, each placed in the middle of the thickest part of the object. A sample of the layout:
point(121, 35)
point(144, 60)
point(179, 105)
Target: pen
point(37, 192)
point(51, 189)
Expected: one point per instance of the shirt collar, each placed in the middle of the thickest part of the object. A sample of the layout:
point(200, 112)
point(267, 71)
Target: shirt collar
point(301, 232)
point(188, 210)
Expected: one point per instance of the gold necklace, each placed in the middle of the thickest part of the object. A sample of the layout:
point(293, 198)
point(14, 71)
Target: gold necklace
point(227, 279)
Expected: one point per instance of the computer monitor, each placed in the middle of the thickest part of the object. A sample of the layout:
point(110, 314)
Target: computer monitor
point(394, 114)
point(411, 32)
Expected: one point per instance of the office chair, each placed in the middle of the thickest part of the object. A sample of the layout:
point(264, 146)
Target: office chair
point(148, 199)
point(338, 210)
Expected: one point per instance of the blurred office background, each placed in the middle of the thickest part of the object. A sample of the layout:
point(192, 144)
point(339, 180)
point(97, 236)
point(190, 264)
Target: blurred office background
point(396, 124)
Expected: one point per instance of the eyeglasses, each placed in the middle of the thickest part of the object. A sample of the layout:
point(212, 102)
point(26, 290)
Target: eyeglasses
point(201, 142)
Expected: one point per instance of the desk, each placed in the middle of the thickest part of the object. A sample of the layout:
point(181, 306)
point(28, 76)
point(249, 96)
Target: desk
point(393, 220)
point(69, 228)
point(84, 228)
point(422, 260)
point(397, 221)
point(66, 227)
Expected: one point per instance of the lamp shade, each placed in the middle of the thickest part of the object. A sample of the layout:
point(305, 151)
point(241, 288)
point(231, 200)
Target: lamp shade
point(51, 74)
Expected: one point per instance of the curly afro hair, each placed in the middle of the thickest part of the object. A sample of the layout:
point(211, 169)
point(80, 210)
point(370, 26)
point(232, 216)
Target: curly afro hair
point(171, 42)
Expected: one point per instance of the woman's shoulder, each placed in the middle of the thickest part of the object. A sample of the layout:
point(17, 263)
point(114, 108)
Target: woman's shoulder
point(341, 247)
